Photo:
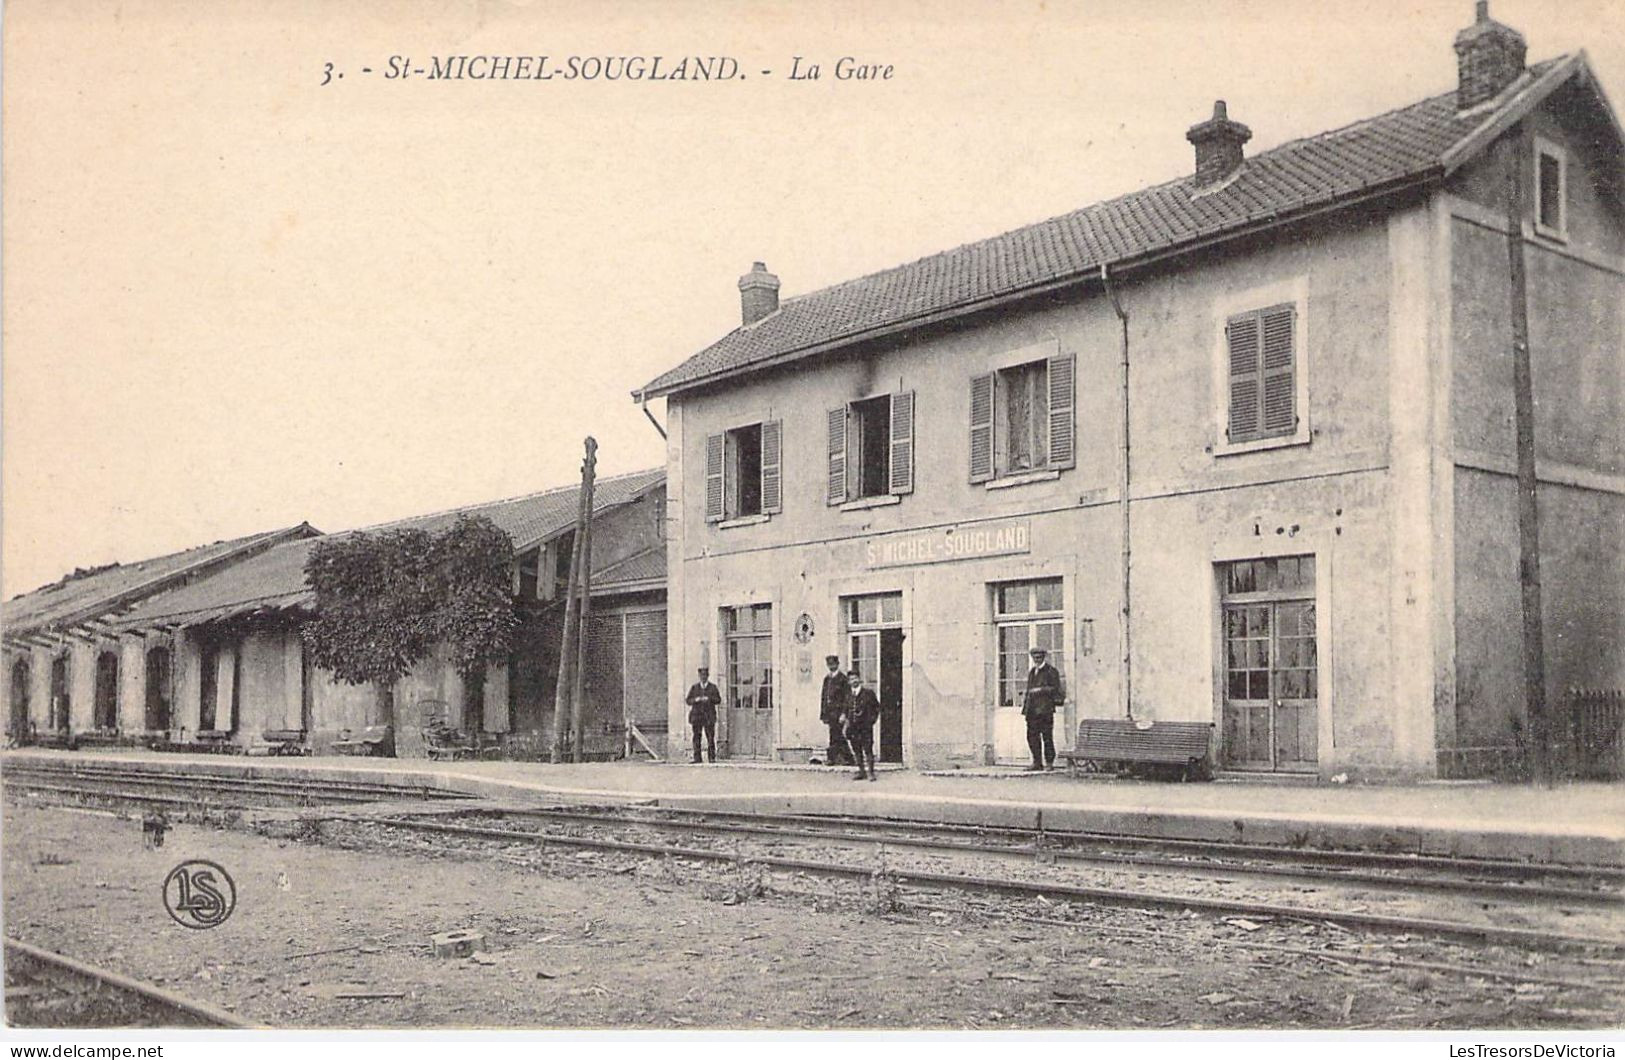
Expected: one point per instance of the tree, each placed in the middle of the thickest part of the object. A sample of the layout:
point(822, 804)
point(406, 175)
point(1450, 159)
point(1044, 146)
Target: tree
point(384, 600)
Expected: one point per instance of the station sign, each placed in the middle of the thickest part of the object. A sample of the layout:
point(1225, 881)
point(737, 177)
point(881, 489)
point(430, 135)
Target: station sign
point(1006, 538)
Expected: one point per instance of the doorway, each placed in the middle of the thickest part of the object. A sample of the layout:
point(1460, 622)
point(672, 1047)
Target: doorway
point(1271, 677)
point(61, 704)
point(160, 689)
point(20, 677)
point(105, 714)
point(875, 638)
point(748, 640)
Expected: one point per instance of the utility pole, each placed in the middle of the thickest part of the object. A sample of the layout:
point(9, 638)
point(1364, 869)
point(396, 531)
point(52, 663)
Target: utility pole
point(564, 688)
point(1523, 398)
point(584, 607)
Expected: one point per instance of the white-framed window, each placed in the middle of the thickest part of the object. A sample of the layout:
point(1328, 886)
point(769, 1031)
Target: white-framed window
point(870, 448)
point(743, 472)
point(1551, 190)
point(1027, 615)
point(1022, 419)
point(1261, 368)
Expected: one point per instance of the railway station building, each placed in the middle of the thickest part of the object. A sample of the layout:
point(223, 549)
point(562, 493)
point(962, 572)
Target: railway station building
point(1238, 448)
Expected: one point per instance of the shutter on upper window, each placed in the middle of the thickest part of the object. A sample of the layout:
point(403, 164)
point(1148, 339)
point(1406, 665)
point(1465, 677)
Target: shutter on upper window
point(1242, 336)
point(772, 463)
point(837, 456)
point(902, 442)
point(1280, 391)
point(981, 427)
point(713, 478)
point(1063, 443)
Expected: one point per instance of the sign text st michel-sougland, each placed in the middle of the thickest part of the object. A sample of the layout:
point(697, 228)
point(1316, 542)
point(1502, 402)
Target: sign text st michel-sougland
point(940, 546)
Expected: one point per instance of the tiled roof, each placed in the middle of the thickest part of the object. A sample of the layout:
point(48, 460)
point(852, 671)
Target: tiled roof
point(276, 579)
point(640, 567)
point(1404, 144)
point(105, 591)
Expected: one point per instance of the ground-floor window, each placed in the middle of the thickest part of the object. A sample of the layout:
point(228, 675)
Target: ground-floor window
point(1027, 615)
point(1271, 671)
point(748, 643)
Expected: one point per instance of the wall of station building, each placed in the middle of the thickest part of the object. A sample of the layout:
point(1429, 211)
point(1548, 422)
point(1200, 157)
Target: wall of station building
point(1195, 508)
point(1576, 298)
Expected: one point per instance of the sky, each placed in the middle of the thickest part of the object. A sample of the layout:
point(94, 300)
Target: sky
point(236, 299)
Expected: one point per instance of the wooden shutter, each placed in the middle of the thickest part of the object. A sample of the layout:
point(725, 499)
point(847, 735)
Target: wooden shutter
point(902, 442)
point(772, 460)
point(837, 456)
point(981, 427)
point(1063, 446)
point(1242, 337)
point(713, 478)
point(1280, 391)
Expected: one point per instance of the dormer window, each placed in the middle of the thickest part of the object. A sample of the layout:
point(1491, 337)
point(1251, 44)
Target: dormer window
point(1551, 190)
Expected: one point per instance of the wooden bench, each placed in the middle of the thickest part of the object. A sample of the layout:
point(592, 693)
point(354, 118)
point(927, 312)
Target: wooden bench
point(1157, 748)
point(284, 742)
point(374, 740)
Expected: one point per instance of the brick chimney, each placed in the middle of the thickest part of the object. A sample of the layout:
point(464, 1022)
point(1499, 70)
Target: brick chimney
point(1218, 146)
point(1489, 57)
point(758, 293)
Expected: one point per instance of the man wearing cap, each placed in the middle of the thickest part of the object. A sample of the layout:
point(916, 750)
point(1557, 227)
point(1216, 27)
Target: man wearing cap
point(1044, 694)
point(702, 699)
point(834, 702)
point(860, 724)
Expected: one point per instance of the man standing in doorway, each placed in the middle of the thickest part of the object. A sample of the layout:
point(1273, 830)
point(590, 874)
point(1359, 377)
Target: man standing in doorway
point(860, 725)
point(702, 699)
point(834, 703)
point(1044, 694)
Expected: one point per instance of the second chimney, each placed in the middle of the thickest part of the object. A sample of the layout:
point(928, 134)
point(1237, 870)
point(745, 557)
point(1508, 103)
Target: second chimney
point(1489, 57)
point(758, 293)
point(1218, 146)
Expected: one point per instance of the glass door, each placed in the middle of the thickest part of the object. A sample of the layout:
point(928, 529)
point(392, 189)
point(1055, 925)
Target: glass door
point(1271, 683)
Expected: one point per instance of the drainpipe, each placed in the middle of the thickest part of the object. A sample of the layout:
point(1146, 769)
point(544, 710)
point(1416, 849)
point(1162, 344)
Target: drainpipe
point(643, 403)
point(1125, 683)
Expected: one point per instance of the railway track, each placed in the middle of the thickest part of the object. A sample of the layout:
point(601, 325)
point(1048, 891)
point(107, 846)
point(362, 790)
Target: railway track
point(1123, 891)
point(148, 787)
point(46, 989)
point(1464, 876)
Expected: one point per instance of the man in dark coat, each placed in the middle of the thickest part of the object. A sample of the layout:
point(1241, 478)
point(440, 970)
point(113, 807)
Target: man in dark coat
point(860, 725)
point(1044, 694)
point(834, 702)
point(702, 699)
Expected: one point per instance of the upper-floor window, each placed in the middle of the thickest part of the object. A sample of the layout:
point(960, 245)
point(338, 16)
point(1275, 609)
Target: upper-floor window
point(871, 448)
point(1022, 419)
point(1551, 190)
point(1263, 365)
point(743, 472)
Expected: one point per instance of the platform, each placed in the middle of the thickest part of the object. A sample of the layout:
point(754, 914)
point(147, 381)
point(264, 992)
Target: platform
point(1569, 823)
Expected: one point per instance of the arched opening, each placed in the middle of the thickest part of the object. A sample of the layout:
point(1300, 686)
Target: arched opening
point(61, 703)
point(105, 715)
point(160, 689)
point(17, 717)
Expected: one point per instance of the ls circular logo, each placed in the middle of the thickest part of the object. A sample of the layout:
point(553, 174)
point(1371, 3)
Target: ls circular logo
point(199, 894)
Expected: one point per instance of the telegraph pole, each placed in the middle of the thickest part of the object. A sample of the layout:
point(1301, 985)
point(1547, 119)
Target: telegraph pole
point(564, 688)
point(584, 606)
point(1523, 398)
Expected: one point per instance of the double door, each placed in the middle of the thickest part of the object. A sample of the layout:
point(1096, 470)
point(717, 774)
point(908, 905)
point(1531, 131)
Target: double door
point(1271, 699)
point(748, 698)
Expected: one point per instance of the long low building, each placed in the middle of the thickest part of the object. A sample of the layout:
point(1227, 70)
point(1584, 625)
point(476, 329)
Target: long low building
point(218, 661)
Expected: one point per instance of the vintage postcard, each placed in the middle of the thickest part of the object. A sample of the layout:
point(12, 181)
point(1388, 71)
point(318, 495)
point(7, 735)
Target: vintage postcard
point(834, 517)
